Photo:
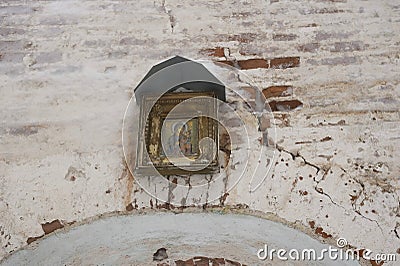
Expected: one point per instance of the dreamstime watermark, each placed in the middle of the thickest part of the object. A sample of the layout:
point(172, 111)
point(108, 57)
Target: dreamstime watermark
point(331, 253)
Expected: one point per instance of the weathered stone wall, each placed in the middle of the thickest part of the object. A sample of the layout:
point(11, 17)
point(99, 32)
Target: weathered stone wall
point(330, 70)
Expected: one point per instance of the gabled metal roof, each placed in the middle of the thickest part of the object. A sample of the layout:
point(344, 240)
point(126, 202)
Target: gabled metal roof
point(179, 72)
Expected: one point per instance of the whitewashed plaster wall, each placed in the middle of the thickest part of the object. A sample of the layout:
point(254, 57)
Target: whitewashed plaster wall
point(67, 73)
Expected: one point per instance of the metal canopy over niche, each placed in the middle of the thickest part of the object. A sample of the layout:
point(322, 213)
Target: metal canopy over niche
point(178, 72)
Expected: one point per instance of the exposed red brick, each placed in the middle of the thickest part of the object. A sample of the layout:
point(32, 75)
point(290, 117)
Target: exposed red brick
point(180, 263)
point(218, 261)
point(303, 193)
point(223, 198)
point(375, 263)
point(360, 252)
point(233, 262)
point(284, 105)
point(320, 231)
point(52, 226)
point(303, 142)
point(353, 198)
point(340, 123)
point(201, 261)
point(327, 138)
point(217, 52)
point(166, 206)
point(285, 62)
point(225, 140)
point(189, 262)
point(253, 63)
point(129, 207)
point(310, 25)
point(33, 239)
point(312, 224)
point(278, 91)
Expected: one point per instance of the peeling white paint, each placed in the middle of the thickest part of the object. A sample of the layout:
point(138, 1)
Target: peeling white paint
point(337, 162)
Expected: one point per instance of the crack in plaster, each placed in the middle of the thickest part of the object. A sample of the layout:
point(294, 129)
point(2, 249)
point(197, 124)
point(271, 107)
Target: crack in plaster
point(208, 188)
point(184, 199)
point(395, 230)
point(362, 192)
point(320, 189)
point(297, 155)
point(172, 19)
point(172, 185)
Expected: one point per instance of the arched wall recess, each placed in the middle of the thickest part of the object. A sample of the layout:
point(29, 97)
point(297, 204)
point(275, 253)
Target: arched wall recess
point(133, 239)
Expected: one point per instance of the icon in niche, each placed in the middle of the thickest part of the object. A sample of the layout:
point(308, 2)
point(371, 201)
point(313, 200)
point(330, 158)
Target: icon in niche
point(178, 128)
point(180, 135)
